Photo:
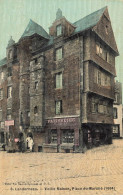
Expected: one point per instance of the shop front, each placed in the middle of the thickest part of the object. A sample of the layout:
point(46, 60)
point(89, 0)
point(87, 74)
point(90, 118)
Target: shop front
point(61, 135)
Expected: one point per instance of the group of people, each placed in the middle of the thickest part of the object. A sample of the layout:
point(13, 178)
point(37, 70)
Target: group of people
point(29, 144)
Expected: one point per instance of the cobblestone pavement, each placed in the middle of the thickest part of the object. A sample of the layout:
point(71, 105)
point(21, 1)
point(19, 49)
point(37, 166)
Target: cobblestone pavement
point(98, 171)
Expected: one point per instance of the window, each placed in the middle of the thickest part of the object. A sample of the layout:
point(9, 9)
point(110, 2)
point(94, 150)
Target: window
point(116, 129)
point(94, 105)
point(28, 113)
point(59, 53)
point(1, 94)
point(68, 136)
point(99, 78)
point(116, 98)
point(9, 71)
point(106, 29)
point(115, 113)
point(35, 110)
point(99, 49)
point(2, 75)
point(36, 85)
point(58, 30)
point(9, 92)
point(58, 105)
point(9, 117)
point(59, 80)
point(0, 115)
point(53, 136)
point(10, 54)
point(100, 108)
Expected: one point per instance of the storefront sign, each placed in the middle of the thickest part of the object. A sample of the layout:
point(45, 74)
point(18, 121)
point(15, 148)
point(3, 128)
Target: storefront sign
point(9, 123)
point(63, 120)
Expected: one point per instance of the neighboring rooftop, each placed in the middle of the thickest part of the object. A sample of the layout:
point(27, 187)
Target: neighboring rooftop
point(34, 28)
point(3, 61)
point(88, 21)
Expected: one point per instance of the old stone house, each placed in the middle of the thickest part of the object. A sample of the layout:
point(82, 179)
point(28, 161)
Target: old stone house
point(61, 84)
point(117, 110)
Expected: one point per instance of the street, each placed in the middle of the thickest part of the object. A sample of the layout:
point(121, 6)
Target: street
point(98, 171)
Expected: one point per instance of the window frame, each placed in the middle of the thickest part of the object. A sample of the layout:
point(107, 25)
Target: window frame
point(60, 109)
point(59, 80)
point(1, 93)
point(9, 93)
point(57, 58)
point(58, 30)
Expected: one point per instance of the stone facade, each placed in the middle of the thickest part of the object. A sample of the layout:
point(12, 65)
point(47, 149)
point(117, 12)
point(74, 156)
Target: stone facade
point(64, 90)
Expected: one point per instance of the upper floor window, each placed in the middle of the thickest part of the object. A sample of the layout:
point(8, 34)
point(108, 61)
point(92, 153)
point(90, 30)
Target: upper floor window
point(106, 29)
point(36, 84)
point(99, 49)
point(1, 94)
point(58, 30)
point(35, 110)
point(59, 80)
point(9, 71)
point(115, 113)
point(28, 113)
point(10, 54)
point(9, 92)
point(58, 105)
point(59, 53)
point(0, 115)
point(2, 75)
point(9, 117)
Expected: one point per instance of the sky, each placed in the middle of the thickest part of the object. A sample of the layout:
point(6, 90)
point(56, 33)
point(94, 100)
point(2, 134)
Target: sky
point(15, 16)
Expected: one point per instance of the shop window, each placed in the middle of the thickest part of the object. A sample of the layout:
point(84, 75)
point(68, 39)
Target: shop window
point(1, 94)
point(35, 110)
point(9, 92)
point(59, 80)
point(58, 30)
point(68, 136)
point(58, 54)
point(2, 137)
point(58, 106)
point(53, 136)
point(115, 129)
point(36, 85)
point(115, 113)
point(9, 71)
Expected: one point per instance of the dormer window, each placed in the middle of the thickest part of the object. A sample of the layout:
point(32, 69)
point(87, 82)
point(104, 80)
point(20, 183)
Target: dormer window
point(10, 54)
point(106, 29)
point(58, 30)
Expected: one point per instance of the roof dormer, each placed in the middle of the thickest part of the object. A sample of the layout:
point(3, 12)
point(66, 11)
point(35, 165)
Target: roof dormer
point(61, 27)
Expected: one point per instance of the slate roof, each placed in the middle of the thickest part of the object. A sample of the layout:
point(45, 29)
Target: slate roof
point(88, 21)
point(3, 61)
point(34, 28)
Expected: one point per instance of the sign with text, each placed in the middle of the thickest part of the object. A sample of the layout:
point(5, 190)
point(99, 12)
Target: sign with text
point(61, 120)
point(9, 123)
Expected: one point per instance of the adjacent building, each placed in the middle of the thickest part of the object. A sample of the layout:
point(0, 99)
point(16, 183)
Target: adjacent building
point(117, 109)
point(58, 88)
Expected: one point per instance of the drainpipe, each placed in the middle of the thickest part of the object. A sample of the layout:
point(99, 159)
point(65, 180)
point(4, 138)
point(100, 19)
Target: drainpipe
point(81, 90)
